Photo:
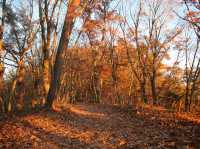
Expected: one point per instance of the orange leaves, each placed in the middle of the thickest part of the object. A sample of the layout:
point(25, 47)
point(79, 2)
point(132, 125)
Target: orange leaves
point(76, 3)
point(72, 8)
point(191, 14)
point(194, 16)
point(113, 16)
point(101, 126)
point(92, 24)
point(105, 73)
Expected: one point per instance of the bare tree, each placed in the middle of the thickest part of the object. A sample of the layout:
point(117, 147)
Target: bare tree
point(192, 72)
point(138, 67)
point(19, 40)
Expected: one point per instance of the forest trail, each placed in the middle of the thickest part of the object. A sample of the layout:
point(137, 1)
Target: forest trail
point(95, 126)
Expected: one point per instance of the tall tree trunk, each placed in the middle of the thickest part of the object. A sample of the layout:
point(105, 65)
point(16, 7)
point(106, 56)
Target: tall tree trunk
point(1, 60)
point(62, 47)
point(153, 87)
point(18, 82)
point(20, 86)
point(143, 84)
point(187, 97)
point(143, 91)
point(2, 26)
point(193, 85)
point(45, 49)
point(187, 88)
point(2, 108)
point(46, 71)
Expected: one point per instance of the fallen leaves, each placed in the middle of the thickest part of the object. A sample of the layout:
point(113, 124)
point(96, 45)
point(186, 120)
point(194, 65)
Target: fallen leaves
point(101, 127)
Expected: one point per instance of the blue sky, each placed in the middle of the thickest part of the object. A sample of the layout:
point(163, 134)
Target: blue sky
point(171, 6)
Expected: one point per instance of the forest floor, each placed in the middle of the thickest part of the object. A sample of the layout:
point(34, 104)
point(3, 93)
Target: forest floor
point(95, 126)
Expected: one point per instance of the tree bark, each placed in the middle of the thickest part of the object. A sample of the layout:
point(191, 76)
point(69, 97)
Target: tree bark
point(153, 87)
point(62, 47)
point(143, 91)
point(18, 82)
point(187, 97)
point(45, 49)
point(1, 60)
point(187, 83)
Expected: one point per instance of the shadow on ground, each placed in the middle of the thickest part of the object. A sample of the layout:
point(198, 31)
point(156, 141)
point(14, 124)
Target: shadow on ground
point(86, 126)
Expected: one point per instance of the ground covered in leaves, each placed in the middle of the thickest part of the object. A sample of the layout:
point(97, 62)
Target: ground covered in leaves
point(84, 126)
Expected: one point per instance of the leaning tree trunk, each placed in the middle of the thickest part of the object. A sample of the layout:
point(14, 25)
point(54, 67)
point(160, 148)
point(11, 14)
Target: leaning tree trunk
point(62, 47)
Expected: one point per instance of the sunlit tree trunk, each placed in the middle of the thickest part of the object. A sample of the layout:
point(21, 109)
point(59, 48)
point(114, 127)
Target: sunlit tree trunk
point(18, 82)
point(20, 86)
point(62, 47)
point(95, 84)
point(45, 47)
point(114, 61)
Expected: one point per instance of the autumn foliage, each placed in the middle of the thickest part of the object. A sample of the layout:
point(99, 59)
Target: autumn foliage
point(100, 74)
point(96, 53)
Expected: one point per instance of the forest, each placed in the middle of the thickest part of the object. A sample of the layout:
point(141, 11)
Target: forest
point(100, 74)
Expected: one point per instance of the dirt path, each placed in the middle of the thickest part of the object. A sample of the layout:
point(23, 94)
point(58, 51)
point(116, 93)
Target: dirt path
point(99, 127)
